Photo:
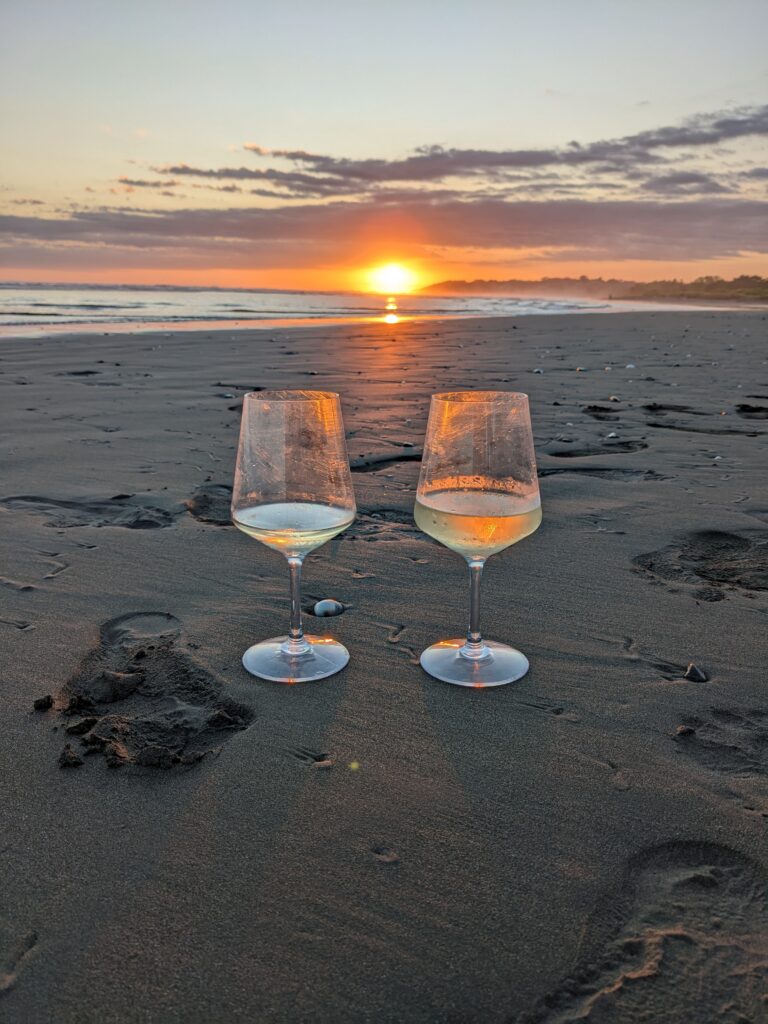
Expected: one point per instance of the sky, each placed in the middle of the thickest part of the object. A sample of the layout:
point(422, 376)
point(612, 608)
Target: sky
point(268, 143)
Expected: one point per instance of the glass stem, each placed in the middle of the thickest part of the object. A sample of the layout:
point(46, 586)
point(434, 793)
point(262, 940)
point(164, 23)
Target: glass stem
point(474, 647)
point(296, 643)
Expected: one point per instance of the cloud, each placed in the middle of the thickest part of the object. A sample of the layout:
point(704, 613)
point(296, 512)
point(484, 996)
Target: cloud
point(434, 163)
point(221, 188)
point(632, 158)
point(286, 236)
point(146, 183)
point(290, 182)
point(661, 194)
point(684, 183)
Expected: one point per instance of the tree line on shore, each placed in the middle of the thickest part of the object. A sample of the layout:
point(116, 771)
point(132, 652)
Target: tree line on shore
point(747, 287)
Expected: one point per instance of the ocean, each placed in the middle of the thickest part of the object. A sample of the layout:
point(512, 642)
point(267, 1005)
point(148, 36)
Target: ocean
point(33, 309)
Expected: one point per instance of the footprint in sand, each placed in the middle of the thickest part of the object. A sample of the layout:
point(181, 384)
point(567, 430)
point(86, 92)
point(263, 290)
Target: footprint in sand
point(686, 428)
point(608, 449)
point(383, 524)
point(210, 503)
point(603, 472)
point(127, 510)
point(726, 740)
point(138, 699)
point(659, 409)
point(683, 940)
point(370, 463)
point(600, 412)
point(752, 412)
point(709, 560)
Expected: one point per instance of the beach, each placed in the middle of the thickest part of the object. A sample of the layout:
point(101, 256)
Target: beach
point(588, 843)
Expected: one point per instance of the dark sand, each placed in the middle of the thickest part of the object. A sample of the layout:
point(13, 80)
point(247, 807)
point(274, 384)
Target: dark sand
point(587, 844)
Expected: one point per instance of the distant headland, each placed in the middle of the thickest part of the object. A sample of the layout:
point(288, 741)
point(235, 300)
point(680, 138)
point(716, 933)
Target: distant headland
point(747, 288)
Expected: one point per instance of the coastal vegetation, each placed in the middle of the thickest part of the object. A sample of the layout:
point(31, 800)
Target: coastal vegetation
point(746, 288)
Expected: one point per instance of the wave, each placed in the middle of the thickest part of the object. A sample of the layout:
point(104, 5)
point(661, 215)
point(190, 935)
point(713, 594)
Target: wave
point(25, 306)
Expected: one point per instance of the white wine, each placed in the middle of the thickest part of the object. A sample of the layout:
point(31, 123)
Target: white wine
point(477, 524)
point(293, 527)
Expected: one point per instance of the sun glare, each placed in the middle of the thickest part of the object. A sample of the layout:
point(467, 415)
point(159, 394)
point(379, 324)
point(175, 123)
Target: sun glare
point(392, 279)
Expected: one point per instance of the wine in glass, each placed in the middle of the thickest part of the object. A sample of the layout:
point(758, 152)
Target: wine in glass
point(293, 492)
point(478, 493)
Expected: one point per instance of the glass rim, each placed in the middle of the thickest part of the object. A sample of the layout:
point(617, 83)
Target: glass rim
point(287, 395)
point(474, 397)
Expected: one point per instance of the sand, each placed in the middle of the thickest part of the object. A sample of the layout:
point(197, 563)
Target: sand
point(181, 842)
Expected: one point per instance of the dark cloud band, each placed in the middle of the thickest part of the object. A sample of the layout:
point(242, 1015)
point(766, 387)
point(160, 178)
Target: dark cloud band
point(707, 228)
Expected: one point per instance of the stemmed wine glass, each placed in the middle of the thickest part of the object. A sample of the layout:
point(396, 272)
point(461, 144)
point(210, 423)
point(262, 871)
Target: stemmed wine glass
point(478, 493)
point(293, 492)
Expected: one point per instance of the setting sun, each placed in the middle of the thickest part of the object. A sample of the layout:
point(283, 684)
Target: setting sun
point(392, 279)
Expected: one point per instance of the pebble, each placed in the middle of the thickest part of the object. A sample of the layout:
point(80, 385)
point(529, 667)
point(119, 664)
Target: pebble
point(613, 434)
point(43, 703)
point(684, 730)
point(614, 398)
point(538, 370)
point(630, 366)
point(695, 673)
point(328, 606)
point(385, 854)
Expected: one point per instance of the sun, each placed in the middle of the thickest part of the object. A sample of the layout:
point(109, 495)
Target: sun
point(392, 279)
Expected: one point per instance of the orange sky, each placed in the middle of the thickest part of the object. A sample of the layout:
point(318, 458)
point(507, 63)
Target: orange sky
point(355, 279)
point(249, 145)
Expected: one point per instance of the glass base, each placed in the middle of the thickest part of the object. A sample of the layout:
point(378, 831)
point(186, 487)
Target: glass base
point(501, 665)
point(270, 660)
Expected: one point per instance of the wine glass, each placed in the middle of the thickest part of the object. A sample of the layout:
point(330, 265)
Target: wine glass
point(293, 492)
point(478, 493)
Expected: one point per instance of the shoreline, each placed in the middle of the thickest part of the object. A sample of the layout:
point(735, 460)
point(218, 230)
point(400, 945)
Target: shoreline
point(106, 328)
point(379, 846)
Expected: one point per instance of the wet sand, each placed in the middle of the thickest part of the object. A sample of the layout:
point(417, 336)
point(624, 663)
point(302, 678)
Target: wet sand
point(181, 842)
